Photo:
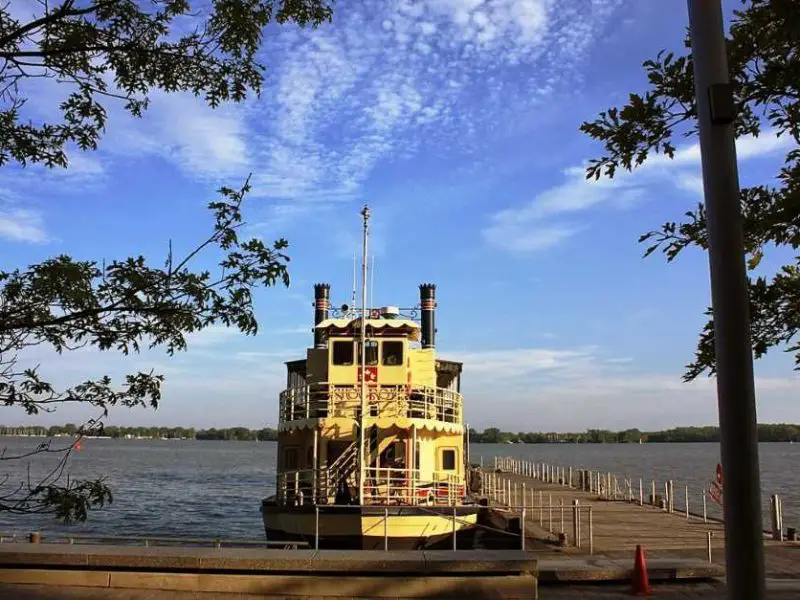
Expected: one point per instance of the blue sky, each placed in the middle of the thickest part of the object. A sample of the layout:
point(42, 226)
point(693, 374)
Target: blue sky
point(457, 121)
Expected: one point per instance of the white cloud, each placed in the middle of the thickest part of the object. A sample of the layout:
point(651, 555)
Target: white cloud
point(520, 363)
point(539, 224)
point(22, 225)
point(574, 389)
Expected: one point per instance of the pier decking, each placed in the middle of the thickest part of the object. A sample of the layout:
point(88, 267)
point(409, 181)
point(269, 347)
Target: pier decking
point(605, 525)
point(612, 522)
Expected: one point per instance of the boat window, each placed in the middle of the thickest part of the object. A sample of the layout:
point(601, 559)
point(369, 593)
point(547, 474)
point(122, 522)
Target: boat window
point(372, 352)
point(290, 458)
point(392, 353)
point(343, 353)
point(448, 459)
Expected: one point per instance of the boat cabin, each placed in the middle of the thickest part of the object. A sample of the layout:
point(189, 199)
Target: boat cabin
point(413, 437)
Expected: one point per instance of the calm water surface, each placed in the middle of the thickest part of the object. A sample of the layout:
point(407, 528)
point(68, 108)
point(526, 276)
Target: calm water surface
point(213, 489)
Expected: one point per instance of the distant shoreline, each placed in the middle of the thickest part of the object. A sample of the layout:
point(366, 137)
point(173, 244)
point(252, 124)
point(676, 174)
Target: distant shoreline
point(767, 432)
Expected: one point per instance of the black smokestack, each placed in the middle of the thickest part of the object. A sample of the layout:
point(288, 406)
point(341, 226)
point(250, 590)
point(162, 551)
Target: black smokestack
point(322, 303)
point(427, 299)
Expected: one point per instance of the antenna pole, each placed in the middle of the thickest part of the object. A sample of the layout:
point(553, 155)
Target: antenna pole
point(372, 284)
point(355, 283)
point(362, 379)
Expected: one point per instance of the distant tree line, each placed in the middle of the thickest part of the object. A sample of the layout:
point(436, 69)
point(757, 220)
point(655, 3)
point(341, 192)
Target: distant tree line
point(767, 432)
point(190, 433)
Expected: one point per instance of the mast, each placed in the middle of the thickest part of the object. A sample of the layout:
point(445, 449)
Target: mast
point(362, 378)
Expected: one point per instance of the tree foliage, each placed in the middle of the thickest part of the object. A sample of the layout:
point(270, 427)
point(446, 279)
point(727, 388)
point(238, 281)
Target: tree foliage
point(764, 60)
point(98, 50)
point(123, 306)
point(93, 52)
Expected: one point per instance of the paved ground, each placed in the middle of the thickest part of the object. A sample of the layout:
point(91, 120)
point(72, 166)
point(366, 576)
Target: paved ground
point(695, 591)
point(698, 591)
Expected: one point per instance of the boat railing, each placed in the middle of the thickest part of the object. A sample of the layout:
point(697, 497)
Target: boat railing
point(385, 486)
point(323, 400)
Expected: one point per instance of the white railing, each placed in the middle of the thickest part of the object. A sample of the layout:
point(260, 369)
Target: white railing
point(383, 486)
point(324, 400)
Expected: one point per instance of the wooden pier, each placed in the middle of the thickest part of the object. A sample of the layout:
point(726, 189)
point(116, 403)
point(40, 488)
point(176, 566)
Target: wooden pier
point(604, 524)
point(612, 519)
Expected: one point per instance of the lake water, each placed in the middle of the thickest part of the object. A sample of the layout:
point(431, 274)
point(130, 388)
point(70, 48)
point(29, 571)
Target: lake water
point(214, 489)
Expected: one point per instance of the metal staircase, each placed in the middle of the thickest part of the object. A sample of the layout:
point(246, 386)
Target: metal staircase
point(338, 472)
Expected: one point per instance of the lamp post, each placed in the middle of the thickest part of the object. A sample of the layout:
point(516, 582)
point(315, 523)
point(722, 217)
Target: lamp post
point(744, 551)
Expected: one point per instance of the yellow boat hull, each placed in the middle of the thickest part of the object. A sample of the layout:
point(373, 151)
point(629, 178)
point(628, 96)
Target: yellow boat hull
point(371, 527)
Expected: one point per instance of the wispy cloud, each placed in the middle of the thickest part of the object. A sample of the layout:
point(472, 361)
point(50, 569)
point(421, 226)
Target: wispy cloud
point(559, 212)
point(301, 329)
point(521, 363)
point(22, 225)
point(205, 143)
point(385, 80)
point(380, 83)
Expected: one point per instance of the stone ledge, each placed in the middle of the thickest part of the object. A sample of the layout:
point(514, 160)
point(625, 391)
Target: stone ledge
point(163, 558)
point(341, 586)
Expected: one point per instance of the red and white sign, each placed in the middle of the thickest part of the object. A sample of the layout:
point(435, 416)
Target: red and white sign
point(370, 375)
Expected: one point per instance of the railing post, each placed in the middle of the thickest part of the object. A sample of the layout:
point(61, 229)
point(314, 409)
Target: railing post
point(522, 528)
point(641, 493)
point(550, 510)
point(776, 514)
point(386, 529)
point(570, 477)
point(705, 514)
point(591, 532)
point(316, 528)
point(576, 528)
point(541, 508)
point(708, 544)
point(671, 496)
point(686, 495)
point(653, 490)
point(455, 544)
point(523, 496)
point(561, 503)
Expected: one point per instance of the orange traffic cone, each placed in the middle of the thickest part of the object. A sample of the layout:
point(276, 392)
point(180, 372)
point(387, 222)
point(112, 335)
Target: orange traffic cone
point(640, 585)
